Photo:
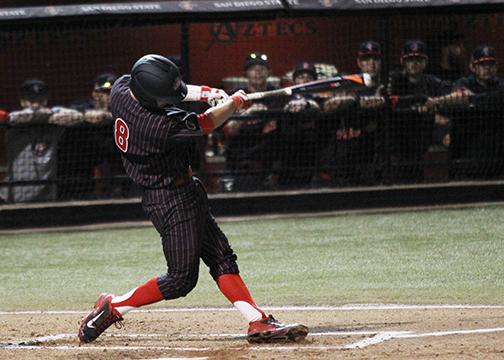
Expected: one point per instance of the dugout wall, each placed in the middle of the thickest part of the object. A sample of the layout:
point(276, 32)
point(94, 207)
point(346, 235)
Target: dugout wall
point(67, 46)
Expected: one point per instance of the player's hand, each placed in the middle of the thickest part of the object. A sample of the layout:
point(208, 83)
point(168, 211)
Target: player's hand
point(421, 109)
point(213, 96)
point(339, 102)
point(241, 100)
point(21, 116)
point(297, 105)
point(97, 116)
point(371, 102)
point(432, 104)
point(65, 117)
point(301, 104)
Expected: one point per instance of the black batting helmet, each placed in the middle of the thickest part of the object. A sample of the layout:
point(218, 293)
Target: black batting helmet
point(156, 82)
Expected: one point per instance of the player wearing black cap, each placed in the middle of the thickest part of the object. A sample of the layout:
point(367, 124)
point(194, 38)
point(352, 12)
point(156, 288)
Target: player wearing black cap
point(350, 154)
point(251, 141)
point(477, 102)
point(156, 139)
point(86, 152)
point(298, 145)
point(32, 144)
point(414, 126)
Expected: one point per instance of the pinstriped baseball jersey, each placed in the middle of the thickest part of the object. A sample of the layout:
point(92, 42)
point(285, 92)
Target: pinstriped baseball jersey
point(156, 148)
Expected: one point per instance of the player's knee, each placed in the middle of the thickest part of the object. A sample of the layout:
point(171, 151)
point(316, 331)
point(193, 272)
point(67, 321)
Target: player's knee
point(175, 285)
point(187, 285)
point(228, 266)
point(184, 282)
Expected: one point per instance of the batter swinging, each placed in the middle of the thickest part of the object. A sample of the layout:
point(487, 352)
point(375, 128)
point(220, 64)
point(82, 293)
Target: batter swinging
point(155, 140)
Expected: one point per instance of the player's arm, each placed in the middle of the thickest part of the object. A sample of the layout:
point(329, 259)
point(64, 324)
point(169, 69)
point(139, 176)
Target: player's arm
point(65, 117)
point(461, 97)
point(217, 115)
point(39, 116)
point(207, 94)
point(339, 102)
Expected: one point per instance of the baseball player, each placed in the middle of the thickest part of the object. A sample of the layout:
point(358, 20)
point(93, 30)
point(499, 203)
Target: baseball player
point(476, 103)
point(33, 145)
point(414, 125)
point(298, 132)
point(155, 139)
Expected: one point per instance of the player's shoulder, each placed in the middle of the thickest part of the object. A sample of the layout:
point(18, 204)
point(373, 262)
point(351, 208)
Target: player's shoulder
point(121, 82)
point(120, 85)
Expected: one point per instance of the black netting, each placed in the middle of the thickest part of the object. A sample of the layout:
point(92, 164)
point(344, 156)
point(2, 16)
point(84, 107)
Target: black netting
point(433, 113)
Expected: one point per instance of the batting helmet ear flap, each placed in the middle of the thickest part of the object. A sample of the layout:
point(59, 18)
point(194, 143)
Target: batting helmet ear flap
point(156, 82)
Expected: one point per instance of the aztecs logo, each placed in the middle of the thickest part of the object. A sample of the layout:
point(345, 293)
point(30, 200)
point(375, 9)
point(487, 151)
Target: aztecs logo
point(229, 32)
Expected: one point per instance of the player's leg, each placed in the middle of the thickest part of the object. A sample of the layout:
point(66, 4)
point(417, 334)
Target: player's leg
point(181, 234)
point(221, 260)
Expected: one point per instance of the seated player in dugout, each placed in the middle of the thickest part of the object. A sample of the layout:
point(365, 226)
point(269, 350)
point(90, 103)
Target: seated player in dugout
point(96, 109)
point(297, 150)
point(415, 126)
point(250, 141)
point(87, 153)
point(155, 139)
point(32, 144)
point(352, 147)
point(477, 107)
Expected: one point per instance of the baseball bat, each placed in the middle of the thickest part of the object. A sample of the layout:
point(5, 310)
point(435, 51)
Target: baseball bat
point(333, 83)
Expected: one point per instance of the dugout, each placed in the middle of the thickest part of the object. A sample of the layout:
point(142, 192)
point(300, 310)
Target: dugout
point(68, 43)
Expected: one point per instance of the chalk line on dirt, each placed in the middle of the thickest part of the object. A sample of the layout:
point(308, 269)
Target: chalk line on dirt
point(350, 307)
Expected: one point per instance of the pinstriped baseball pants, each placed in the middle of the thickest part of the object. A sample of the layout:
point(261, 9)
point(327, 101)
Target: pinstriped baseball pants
point(188, 233)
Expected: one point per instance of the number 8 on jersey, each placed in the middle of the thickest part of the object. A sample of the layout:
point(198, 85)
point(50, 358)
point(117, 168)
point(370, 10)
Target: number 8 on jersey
point(121, 134)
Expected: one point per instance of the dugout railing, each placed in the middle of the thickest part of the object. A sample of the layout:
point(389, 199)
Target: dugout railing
point(67, 52)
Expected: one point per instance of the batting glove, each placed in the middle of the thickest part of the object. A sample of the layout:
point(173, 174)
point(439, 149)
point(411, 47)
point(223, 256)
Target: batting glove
point(212, 96)
point(241, 100)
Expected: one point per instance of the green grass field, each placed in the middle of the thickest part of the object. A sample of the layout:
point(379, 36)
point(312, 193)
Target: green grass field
point(441, 256)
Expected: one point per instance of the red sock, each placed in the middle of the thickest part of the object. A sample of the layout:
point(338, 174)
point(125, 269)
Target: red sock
point(235, 290)
point(145, 294)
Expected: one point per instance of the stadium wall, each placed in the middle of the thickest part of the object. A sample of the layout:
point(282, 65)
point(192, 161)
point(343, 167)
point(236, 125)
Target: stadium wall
point(68, 52)
point(19, 216)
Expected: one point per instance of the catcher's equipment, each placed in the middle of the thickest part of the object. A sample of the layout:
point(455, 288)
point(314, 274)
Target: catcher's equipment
point(156, 82)
point(102, 316)
point(270, 330)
